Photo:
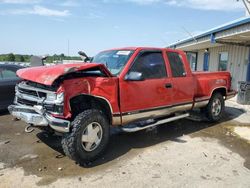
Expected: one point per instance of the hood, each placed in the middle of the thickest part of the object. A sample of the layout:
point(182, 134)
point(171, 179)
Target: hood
point(48, 74)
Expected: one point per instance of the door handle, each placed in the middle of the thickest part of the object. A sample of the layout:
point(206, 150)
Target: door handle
point(168, 85)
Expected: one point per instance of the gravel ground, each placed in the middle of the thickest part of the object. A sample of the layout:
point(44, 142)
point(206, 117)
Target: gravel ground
point(180, 154)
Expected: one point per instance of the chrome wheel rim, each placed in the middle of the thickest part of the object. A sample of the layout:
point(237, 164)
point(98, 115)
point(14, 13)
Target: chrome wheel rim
point(216, 107)
point(92, 136)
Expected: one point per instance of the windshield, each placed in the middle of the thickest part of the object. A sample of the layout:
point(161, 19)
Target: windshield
point(114, 60)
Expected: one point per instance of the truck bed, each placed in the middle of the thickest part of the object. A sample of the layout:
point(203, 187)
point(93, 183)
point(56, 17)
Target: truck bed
point(206, 82)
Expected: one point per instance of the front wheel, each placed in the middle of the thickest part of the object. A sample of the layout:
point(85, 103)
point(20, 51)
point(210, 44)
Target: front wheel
point(215, 107)
point(88, 138)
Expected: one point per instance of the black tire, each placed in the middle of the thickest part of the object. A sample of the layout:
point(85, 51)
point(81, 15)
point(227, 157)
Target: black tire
point(72, 142)
point(215, 108)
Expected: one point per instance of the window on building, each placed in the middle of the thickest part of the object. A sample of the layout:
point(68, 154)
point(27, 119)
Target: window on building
point(192, 58)
point(176, 64)
point(223, 61)
point(150, 64)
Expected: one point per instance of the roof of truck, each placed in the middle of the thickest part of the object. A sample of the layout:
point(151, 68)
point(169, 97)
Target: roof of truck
point(135, 48)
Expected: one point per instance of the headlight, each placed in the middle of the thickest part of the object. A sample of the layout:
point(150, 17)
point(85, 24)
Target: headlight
point(51, 97)
point(55, 98)
point(60, 98)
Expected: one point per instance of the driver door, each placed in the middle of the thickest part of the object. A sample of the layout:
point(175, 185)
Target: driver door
point(149, 96)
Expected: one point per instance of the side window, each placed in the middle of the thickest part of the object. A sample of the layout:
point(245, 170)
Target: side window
point(7, 74)
point(150, 64)
point(176, 64)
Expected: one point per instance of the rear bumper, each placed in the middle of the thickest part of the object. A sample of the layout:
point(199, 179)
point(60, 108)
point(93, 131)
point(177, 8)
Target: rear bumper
point(37, 117)
point(231, 94)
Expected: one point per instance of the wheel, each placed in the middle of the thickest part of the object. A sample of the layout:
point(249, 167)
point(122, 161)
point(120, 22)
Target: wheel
point(88, 138)
point(215, 107)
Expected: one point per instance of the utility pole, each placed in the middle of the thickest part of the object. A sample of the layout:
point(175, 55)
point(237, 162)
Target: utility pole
point(247, 6)
point(68, 47)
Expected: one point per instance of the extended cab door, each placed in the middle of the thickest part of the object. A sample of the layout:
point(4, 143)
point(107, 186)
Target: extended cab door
point(145, 89)
point(182, 78)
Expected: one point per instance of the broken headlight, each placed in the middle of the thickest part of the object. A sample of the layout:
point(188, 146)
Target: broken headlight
point(51, 96)
point(55, 98)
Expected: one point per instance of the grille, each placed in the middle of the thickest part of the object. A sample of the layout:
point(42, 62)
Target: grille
point(26, 102)
point(27, 96)
point(30, 96)
point(41, 86)
point(31, 92)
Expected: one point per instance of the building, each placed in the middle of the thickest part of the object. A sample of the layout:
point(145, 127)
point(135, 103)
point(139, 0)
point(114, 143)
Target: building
point(219, 49)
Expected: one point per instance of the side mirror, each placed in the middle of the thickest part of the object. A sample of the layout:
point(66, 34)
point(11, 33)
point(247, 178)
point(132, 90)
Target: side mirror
point(134, 76)
point(83, 56)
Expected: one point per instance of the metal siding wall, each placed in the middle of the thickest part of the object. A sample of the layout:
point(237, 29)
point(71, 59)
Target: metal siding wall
point(237, 61)
point(200, 60)
point(229, 32)
point(214, 59)
point(192, 42)
point(233, 31)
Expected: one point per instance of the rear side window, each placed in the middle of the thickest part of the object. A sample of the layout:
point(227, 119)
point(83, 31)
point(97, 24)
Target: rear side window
point(150, 64)
point(176, 64)
point(7, 74)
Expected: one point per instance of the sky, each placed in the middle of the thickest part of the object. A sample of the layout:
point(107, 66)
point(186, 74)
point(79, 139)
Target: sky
point(40, 27)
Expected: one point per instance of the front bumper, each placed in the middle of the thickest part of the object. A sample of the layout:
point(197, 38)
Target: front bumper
point(37, 117)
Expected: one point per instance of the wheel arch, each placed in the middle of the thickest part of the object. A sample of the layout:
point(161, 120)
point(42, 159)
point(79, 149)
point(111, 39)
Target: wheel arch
point(221, 90)
point(91, 102)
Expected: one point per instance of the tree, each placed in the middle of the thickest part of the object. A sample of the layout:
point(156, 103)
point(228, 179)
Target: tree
point(22, 59)
point(55, 57)
point(62, 56)
point(11, 57)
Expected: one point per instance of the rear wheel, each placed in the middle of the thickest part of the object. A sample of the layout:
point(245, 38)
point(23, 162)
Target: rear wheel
point(215, 107)
point(88, 138)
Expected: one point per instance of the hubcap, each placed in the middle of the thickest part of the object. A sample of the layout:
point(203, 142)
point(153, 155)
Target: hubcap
point(91, 136)
point(216, 107)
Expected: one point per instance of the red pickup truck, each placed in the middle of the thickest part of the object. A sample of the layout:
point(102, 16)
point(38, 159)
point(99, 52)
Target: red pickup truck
point(134, 88)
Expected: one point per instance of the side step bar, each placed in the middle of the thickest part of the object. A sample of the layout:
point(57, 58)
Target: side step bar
point(135, 129)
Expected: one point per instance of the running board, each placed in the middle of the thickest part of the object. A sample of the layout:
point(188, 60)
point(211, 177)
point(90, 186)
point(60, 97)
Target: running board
point(135, 129)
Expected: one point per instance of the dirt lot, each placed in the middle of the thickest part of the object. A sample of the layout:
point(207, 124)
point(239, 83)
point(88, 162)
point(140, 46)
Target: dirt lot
point(181, 154)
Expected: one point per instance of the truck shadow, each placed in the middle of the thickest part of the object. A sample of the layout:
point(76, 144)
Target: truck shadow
point(121, 143)
point(4, 112)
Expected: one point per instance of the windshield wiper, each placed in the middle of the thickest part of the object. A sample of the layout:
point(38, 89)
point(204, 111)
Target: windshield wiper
point(106, 64)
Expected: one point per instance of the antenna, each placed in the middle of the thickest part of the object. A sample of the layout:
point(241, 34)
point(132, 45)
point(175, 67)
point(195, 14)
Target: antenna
point(190, 34)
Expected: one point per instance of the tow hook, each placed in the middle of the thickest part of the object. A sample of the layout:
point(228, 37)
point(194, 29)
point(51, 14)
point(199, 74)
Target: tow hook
point(29, 129)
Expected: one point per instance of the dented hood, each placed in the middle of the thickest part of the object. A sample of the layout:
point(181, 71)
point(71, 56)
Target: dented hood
point(48, 74)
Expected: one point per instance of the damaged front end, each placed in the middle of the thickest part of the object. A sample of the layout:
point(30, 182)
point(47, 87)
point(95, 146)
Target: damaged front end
point(39, 105)
point(41, 100)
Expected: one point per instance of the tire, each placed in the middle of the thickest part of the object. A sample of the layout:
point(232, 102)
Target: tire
point(215, 108)
point(79, 150)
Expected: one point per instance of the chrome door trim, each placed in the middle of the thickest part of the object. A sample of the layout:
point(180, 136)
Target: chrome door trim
point(154, 113)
